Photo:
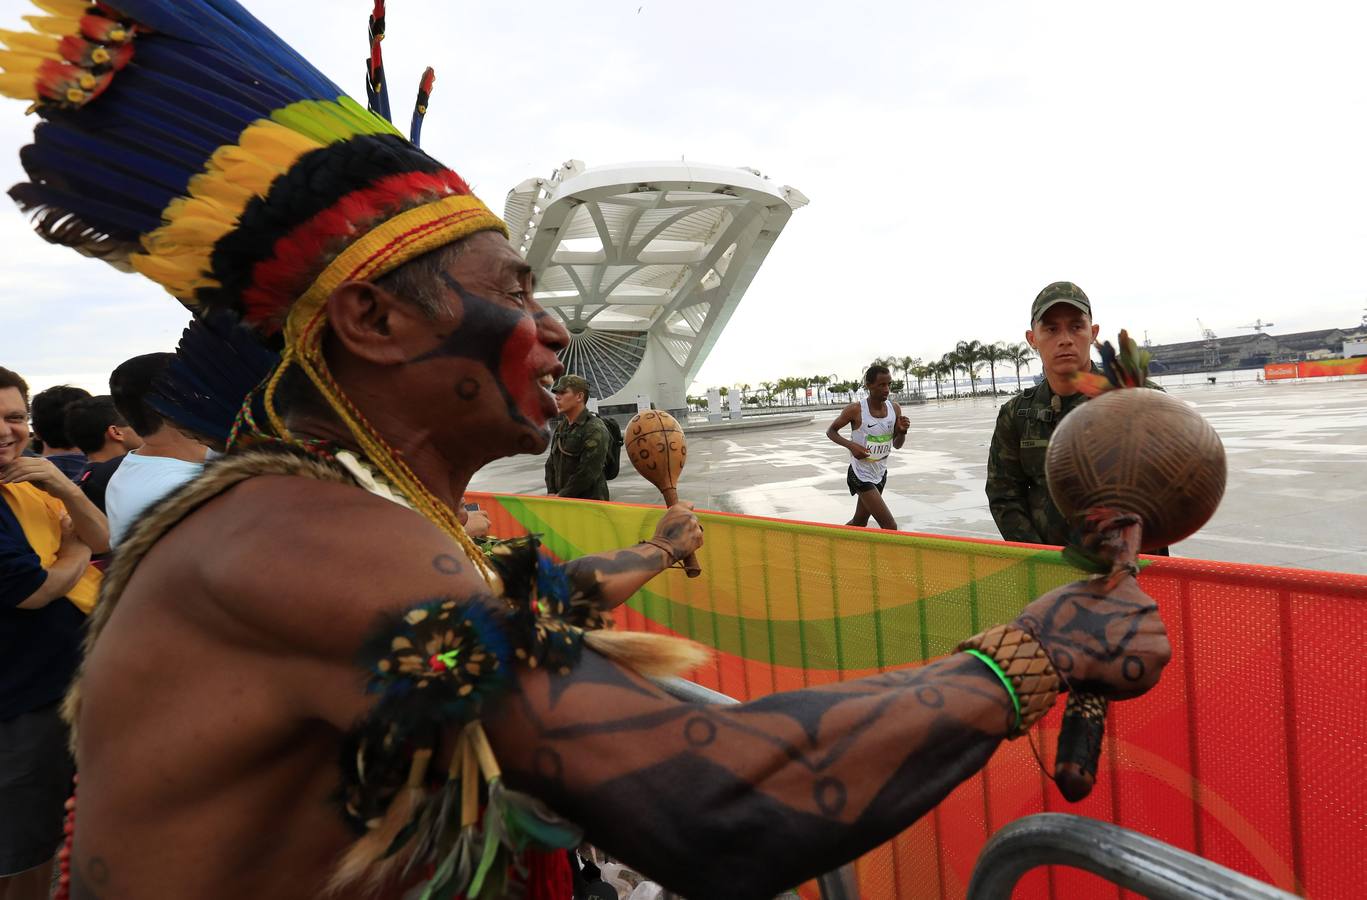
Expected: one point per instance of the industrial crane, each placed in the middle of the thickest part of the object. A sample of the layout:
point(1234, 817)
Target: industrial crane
point(1212, 346)
point(1259, 325)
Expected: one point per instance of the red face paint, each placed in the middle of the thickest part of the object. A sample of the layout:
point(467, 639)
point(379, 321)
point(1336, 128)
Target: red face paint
point(517, 373)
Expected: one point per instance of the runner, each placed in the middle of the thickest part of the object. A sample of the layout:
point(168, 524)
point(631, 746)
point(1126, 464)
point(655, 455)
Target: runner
point(877, 426)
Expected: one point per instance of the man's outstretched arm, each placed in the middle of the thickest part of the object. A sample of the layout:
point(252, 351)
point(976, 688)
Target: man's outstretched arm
point(745, 801)
point(609, 579)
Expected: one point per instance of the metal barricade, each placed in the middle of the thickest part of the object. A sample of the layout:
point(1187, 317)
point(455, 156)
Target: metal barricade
point(841, 884)
point(1127, 858)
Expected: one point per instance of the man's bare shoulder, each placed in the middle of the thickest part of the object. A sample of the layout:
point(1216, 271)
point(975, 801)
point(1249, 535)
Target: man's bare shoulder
point(289, 555)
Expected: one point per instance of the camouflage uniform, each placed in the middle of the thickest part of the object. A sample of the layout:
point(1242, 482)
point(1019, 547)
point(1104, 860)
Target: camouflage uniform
point(1016, 489)
point(574, 467)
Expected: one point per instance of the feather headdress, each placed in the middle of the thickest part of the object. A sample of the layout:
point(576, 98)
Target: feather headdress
point(189, 142)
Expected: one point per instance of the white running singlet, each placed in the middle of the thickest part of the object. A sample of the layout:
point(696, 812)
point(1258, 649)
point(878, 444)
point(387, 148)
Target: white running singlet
point(875, 436)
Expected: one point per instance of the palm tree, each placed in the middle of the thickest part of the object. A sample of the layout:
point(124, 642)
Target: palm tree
point(920, 372)
point(743, 388)
point(950, 363)
point(768, 392)
point(906, 364)
point(937, 371)
point(993, 354)
point(820, 381)
point(970, 354)
point(1020, 354)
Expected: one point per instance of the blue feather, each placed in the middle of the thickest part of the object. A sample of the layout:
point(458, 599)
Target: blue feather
point(109, 218)
point(218, 363)
point(228, 26)
point(214, 71)
point(141, 201)
point(101, 154)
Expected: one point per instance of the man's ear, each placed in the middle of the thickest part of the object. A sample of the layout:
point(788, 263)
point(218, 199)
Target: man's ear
point(1030, 338)
point(372, 323)
point(1096, 330)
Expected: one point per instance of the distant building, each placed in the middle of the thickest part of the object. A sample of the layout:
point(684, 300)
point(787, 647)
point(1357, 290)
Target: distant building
point(1251, 351)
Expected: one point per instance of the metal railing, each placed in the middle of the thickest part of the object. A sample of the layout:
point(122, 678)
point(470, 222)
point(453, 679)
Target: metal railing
point(841, 884)
point(1127, 858)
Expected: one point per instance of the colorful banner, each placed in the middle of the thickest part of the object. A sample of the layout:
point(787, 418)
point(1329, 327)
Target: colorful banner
point(1316, 368)
point(1247, 753)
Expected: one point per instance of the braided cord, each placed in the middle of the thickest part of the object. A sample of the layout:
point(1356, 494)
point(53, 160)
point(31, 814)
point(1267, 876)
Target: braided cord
point(306, 353)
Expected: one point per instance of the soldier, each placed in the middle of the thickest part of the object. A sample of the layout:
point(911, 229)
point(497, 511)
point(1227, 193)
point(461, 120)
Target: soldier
point(579, 447)
point(1061, 332)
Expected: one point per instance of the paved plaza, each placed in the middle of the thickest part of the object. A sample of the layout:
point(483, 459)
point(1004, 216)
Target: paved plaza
point(1297, 493)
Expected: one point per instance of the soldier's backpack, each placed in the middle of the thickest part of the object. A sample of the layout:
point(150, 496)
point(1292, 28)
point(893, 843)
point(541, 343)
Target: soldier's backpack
point(612, 463)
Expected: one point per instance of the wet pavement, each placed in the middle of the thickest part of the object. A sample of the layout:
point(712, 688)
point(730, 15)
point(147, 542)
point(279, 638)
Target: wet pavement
point(1297, 491)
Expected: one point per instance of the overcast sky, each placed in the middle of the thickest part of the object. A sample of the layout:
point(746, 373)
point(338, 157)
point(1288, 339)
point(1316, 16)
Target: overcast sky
point(1174, 159)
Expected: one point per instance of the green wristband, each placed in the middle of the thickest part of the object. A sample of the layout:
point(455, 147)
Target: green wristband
point(1006, 682)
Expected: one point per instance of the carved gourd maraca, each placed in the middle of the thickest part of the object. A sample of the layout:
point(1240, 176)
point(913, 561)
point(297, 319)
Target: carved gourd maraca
point(1128, 451)
point(656, 446)
point(1142, 452)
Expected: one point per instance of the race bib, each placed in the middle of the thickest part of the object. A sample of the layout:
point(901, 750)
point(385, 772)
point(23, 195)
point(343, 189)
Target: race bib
point(879, 446)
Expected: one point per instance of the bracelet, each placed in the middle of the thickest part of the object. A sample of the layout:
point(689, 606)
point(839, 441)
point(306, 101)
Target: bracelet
point(1006, 683)
point(1018, 659)
point(670, 558)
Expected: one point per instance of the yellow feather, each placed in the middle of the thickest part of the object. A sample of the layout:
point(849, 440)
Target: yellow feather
point(276, 144)
point(28, 42)
point(70, 8)
point(219, 190)
point(169, 272)
point(20, 87)
point(20, 64)
point(61, 26)
point(190, 233)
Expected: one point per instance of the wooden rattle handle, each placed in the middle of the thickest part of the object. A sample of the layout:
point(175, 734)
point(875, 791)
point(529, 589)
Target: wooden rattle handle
point(690, 562)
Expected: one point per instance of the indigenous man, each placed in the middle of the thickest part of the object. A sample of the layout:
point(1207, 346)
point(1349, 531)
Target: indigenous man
point(877, 426)
point(1061, 332)
point(224, 709)
point(579, 446)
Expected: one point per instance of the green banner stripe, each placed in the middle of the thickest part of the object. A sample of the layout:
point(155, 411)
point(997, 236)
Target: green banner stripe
point(891, 634)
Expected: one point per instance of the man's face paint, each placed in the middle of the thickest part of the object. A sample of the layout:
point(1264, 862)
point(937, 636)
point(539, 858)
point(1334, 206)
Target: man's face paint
point(502, 340)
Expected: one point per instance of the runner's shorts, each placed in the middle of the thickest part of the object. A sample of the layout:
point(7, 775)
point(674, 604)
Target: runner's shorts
point(35, 782)
point(856, 486)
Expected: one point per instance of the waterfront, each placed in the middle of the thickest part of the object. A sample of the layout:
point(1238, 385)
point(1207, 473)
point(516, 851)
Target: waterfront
point(1297, 492)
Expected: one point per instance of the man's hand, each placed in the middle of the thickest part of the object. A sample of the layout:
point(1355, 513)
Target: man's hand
point(902, 426)
point(72, 546)
point(858, 452)
point(1111, 644)
point(477, 523)
point(41, 473)
point(680, 529)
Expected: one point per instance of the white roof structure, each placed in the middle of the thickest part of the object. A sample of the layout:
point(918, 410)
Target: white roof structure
point(645, 263)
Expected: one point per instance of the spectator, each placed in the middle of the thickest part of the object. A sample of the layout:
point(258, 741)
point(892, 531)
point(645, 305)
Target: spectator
point(48, 530)
point(167, 458)
point(104, 436)
point(49, 423)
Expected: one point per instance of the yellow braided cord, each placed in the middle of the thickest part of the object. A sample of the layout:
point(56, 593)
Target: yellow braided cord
point(309, 358)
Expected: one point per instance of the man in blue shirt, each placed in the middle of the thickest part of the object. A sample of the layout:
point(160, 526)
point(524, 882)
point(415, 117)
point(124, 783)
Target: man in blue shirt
point(48, 529)
point(49, 423)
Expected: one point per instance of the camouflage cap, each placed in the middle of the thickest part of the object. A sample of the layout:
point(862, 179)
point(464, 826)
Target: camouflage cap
point(1060, 292)
point(571, 383)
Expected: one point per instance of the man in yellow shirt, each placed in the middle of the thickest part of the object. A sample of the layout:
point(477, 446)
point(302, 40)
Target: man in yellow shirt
point(48, 530)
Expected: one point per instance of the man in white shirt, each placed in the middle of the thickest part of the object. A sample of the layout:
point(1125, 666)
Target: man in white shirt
point(167, 458)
